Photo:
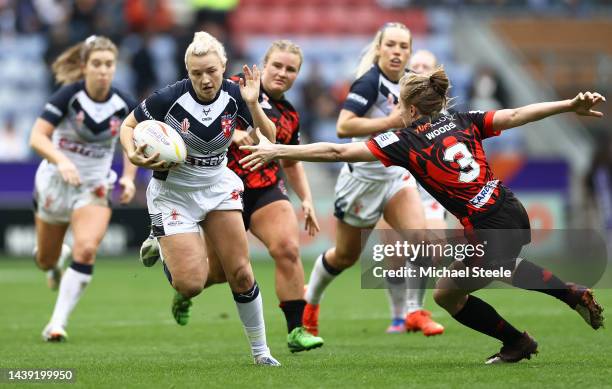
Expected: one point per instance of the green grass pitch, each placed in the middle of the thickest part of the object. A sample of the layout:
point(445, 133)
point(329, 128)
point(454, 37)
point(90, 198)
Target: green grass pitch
point(122, 335)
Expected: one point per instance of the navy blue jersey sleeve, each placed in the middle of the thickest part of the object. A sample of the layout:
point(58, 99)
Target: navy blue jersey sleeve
point(156, 106)
point(243, 114)
point(57, 105)
point(390, 148)
point(483, 121)
point(362, 96)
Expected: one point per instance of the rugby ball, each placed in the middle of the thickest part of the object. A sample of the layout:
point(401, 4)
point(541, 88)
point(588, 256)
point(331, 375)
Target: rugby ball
point(160, 138)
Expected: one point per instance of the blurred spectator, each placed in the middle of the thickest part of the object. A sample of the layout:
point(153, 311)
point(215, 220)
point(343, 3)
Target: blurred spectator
point(52, 12)
point(143, 66)
point(215, 11)
point(13, 146)
point(26, 17)
point(84, 19)
point(312, 88)
point(148, 16)
point(599, 180)
point(7, 17)
point(488, 93)
point(326, 110)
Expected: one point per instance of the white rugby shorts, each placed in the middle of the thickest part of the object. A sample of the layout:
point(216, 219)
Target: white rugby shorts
point(176, 210)
point(360, 203)
point(55, 199)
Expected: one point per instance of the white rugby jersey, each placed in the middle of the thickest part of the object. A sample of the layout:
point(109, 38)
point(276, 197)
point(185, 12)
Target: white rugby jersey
point(206, 128)
point(86, 131)
point(368, 98)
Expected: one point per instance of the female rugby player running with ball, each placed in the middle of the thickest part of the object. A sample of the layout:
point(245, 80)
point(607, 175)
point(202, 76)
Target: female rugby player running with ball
point(204, 109)
point(445, 154)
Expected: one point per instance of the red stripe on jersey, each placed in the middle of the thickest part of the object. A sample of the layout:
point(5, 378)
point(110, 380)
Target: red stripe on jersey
point(488, 125)
point(378, 153)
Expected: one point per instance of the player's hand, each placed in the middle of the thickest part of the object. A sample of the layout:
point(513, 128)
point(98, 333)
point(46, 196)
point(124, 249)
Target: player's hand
point(138, 158)
point(261, 153)
point(583, 103)
point(311, 224)
point(128, 190)
point(249, 85)
point(242, 138)
point(69, 172)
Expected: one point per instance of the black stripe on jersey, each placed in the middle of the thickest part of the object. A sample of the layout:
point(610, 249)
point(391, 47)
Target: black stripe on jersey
point(160, 175)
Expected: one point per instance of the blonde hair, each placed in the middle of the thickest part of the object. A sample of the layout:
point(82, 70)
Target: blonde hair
point(425, 56)
point(368, 56)
point(68, 67)
point(428, 92)
point(204, 43)
point(284, 45)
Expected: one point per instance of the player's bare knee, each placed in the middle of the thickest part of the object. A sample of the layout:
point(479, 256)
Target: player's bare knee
point(45, 262)
point(189, 287)
point(241, 278)
point(285, 253)
point(85, 252)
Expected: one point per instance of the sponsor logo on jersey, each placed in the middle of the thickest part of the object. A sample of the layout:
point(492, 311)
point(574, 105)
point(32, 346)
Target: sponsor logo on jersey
point(385, 139)
point(205, 161)
point(357, 98)
point(484, 195)
point(143, 106)
point(82, 148)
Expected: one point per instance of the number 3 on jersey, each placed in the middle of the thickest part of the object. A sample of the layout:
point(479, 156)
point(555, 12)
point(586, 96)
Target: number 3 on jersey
point(466, 159)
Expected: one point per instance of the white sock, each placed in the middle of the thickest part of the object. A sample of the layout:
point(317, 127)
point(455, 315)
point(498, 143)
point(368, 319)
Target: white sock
point(415, 291)
point(71, 288)
point(64, 255)
point(319, 279)
point(250, 310)
point(397, 300)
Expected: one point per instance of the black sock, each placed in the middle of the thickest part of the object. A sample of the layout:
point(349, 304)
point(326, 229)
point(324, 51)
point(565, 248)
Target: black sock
point(530, 276)
point(293, 310)
point(82, 267)
point(480, 316)
point(330, 269)
point(167, 273)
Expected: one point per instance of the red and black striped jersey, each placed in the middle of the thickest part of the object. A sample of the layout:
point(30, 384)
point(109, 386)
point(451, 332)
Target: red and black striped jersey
point(287, 122)
point(447, 158)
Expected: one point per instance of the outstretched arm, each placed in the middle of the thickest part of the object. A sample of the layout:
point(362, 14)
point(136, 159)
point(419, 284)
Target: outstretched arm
point(265, 151)
point(582, 105)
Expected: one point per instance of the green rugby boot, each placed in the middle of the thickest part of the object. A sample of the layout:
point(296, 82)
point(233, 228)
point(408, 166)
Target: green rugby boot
point(181, 308)
point(301, 340)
